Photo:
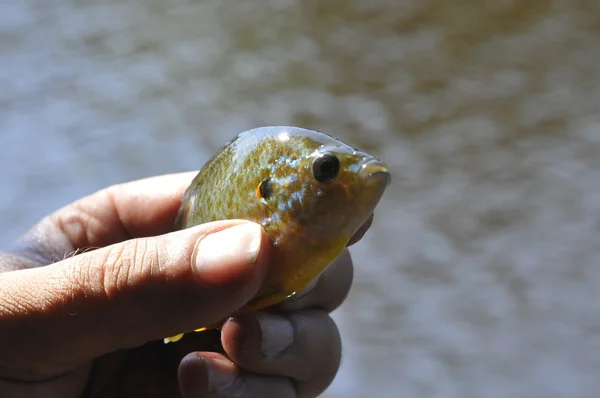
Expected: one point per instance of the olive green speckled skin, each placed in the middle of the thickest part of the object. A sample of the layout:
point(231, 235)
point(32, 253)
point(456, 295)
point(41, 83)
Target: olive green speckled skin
point(308, 223)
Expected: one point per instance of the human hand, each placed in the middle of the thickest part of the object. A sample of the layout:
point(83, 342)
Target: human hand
point(92, 325)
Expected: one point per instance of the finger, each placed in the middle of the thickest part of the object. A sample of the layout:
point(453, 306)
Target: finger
point(136, 209)
point(211, 375)
point(304, 346)
point(329, 291)
point(128, 294)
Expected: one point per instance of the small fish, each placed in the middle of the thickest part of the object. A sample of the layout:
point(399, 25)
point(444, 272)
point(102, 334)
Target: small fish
point(310, 192)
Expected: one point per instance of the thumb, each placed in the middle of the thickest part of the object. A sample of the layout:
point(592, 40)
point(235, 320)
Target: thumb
point(127, 294)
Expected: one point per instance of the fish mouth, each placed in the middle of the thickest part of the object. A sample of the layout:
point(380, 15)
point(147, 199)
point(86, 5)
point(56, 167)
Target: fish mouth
point(375, 170)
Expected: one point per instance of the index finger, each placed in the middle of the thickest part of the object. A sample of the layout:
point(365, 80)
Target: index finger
point(136, 209)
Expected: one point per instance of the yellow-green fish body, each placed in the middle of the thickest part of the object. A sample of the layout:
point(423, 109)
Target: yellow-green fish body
point(309, 191)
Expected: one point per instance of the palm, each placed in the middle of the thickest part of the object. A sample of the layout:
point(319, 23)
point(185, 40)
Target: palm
point(148, 371)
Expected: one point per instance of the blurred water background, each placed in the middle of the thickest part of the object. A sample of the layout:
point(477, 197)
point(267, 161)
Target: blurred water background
point(481, 274)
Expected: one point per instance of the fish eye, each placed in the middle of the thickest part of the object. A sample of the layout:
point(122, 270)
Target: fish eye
point(325, 168)
point(264, 189)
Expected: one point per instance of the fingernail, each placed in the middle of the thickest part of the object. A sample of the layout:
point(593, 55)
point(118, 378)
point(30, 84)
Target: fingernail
point(277, 333)
point(232, 246)
point(220, 373)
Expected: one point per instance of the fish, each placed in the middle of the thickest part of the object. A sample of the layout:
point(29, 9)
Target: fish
point(310, 192)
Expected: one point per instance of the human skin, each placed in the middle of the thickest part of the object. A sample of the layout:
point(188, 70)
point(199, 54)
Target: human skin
point(91, 325)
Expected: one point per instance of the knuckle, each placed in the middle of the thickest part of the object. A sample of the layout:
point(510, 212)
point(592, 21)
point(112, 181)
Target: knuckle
point(114, 269)
point(135, 267)
point(83, 275)
point(128, 264)
point(78, 224)
point(117, 268)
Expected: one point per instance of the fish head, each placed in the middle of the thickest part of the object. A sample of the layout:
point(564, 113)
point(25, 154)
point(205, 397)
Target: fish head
point(328, 192)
